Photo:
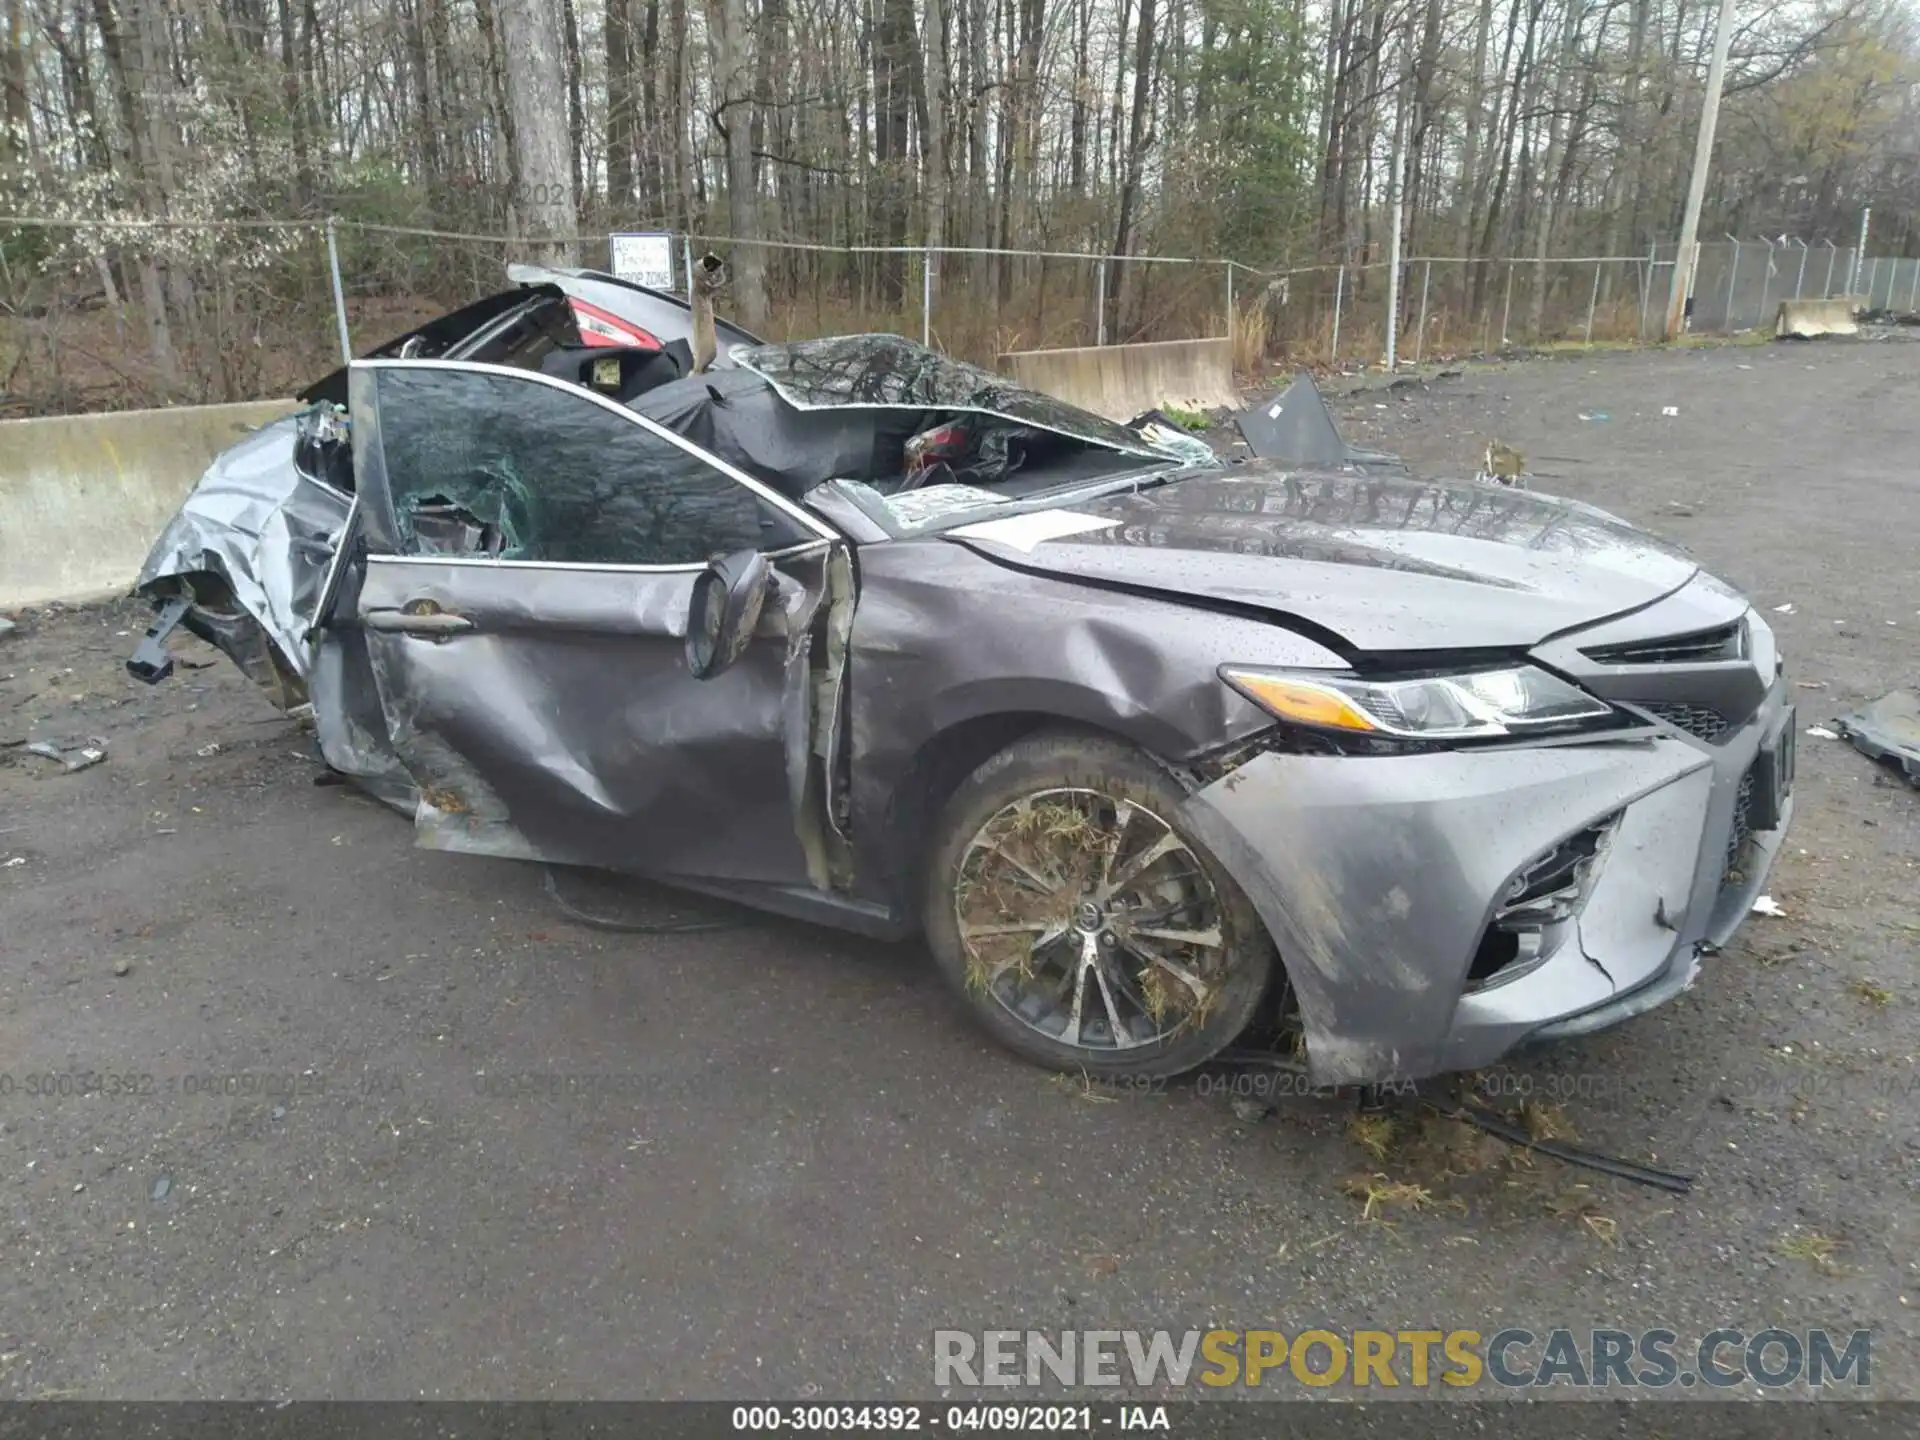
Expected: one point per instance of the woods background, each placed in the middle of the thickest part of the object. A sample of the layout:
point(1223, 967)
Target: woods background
point(165, 163)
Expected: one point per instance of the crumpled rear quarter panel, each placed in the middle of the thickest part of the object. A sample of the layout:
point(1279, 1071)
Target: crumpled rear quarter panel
point(256, 522)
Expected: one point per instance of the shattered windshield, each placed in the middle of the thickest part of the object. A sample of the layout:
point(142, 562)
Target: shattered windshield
point(885, 370)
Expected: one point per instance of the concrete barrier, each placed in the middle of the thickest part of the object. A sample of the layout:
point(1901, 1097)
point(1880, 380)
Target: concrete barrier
point(83, 496)
point(1120, 381)
point(1804, 319)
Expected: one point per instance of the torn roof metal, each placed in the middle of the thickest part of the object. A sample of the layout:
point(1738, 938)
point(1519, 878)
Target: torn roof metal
point(887, 370)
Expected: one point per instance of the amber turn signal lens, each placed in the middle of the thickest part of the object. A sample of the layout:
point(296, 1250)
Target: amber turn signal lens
point(1301, 701)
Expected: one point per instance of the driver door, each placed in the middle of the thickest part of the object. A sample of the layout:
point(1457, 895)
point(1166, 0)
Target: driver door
point(531, 550)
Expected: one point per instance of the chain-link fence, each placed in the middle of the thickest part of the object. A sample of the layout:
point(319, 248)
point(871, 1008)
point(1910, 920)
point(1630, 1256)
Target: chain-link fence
point(119, 314)
point(1739, 284)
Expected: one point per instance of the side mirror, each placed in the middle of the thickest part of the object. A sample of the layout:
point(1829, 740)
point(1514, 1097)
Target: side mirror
point(727, 600)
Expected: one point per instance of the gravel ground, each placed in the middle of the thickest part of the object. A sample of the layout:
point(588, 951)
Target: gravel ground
point(372, 1122)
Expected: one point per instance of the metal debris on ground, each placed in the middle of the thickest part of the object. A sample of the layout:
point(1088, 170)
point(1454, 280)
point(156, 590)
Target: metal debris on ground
point(1888, 730)
point(1820, 732)
point(1786, 609)
point(1767, 905)
point(78, 757)
point(162, 1188)
point(1296, 427)
point(208, 750)
point(1669, 409)
point(15, 863)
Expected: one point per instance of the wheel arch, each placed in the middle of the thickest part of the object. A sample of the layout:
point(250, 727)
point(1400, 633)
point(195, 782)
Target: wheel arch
point(1037, 750)
point(973, 734)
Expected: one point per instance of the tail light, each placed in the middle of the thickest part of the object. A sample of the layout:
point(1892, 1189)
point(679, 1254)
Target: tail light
point(598, 328)
point(943, 442)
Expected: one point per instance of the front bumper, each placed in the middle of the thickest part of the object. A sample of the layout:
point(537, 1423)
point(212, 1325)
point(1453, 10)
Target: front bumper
point(1379, 877)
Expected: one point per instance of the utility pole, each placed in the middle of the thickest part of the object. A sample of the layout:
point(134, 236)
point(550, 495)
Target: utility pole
point(1396, 184)
point(1859, 254)
point(1685, 257)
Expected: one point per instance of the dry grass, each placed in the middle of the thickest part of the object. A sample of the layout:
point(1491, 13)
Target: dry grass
point(1100, 1264)
point(1252, 333)
point(1545, 1122)
point(1811, 1245)
point(1444, 1149)
point(1372, 1133)
point(1875, 994)
point(1379, 1195)
point(1603, 1229)
point(1082, 1088)
point(1578, 1203)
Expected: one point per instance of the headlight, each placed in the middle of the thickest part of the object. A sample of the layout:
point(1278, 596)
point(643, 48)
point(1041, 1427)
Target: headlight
point(1475, 705)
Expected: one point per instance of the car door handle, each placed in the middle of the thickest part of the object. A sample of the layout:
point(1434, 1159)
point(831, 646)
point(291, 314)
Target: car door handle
point(435, 624)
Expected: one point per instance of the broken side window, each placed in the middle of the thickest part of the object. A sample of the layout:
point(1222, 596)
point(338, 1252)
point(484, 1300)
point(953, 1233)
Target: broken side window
point(516, 469)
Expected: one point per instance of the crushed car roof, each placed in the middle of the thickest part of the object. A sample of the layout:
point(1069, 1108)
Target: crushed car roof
point(799, 414)
point(885, 370)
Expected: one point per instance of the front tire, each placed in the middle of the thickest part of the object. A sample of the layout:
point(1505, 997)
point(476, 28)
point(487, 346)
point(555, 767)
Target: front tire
point(1082, 926)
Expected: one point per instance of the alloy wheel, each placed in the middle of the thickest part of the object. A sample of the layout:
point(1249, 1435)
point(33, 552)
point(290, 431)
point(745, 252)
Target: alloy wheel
point(1090, 920)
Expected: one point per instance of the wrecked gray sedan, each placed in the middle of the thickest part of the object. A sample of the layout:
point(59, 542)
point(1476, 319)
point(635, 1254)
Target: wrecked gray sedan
point(1145, 744)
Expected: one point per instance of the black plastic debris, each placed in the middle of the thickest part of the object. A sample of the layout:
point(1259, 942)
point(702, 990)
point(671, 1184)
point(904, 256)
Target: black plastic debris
point(1672, 1181)
point(1296, 427)
point(150, 661)
point(1888, 730)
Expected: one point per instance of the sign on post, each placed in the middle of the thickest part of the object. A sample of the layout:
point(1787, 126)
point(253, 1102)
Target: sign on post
point(644, 257)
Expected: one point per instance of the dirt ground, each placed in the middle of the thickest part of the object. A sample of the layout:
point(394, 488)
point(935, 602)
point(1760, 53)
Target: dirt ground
point(367, 1121)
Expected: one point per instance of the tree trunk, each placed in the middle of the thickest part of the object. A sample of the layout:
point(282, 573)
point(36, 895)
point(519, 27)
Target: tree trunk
point(576, 104)
point(1082, 99)
point(620, 116)
point(934, 152)
point(732, 117)
point(1139, 137)
point(893, 64)
point(1467, 196)
point(16, 134)
point(548, 206)
point(493, 49)
point(978, 233)
point(1554, 171)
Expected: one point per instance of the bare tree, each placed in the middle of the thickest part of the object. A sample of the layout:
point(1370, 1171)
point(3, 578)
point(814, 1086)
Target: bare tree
point(544, 198)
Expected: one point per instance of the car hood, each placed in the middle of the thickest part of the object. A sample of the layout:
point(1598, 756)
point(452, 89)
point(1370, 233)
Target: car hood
point(1382, 562)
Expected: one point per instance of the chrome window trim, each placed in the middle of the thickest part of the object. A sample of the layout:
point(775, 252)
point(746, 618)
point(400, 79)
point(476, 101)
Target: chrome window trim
point(805, 547)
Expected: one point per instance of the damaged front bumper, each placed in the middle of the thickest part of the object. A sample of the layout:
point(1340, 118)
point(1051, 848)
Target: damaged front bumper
point(1436, 911)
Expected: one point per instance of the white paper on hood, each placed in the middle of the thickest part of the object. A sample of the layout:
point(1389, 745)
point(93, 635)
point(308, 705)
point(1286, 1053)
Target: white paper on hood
point(1023, 532)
